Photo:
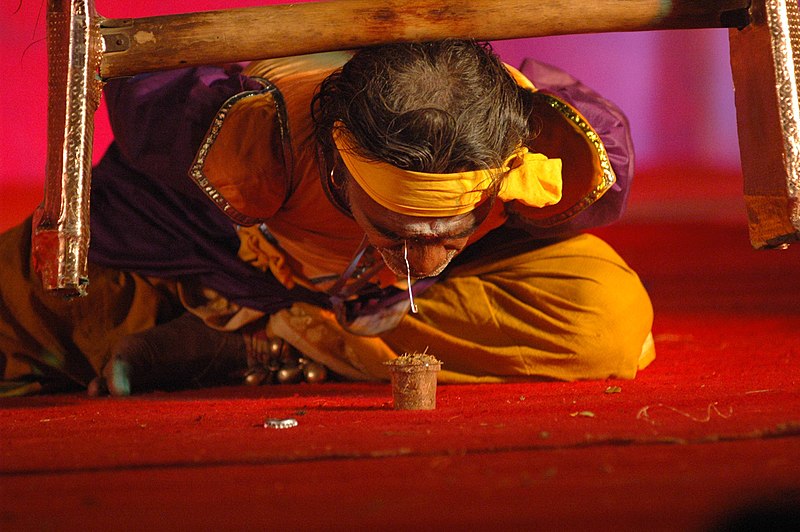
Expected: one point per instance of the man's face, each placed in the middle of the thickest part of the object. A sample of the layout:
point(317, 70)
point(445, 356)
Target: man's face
point(431, 243)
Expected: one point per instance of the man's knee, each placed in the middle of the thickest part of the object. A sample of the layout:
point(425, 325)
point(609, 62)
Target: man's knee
point(618, 318)
point(597, 309)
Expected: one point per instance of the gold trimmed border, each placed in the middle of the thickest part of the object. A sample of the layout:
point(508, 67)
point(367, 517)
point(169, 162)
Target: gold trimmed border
point(608, 177)
point(196, 172)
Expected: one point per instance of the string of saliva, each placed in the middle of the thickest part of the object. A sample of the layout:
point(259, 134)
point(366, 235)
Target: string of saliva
point(408, 276)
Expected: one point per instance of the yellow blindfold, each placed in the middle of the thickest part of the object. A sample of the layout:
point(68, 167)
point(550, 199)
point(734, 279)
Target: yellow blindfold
point(531, 178)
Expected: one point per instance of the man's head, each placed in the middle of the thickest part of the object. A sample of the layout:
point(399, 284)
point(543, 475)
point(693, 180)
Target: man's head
point(436, 108)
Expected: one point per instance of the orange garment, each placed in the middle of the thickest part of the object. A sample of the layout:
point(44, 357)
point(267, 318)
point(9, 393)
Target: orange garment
point(550, 312)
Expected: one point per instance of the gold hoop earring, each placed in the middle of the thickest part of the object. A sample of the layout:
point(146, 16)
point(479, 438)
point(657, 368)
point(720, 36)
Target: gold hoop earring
point(334, 183)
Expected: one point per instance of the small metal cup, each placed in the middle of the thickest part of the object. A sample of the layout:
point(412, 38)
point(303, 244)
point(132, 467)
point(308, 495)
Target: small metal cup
point(414, 385)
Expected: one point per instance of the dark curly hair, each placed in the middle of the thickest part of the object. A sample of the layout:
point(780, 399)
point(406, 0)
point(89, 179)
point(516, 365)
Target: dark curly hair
point(438, 107)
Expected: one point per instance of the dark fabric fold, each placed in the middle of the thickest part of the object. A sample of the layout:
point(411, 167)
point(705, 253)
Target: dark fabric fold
point(147, 216)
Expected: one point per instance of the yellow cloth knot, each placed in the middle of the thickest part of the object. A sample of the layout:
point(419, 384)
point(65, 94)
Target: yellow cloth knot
point(531, 178)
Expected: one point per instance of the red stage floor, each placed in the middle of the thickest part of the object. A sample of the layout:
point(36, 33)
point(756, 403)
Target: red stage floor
point(707, 436)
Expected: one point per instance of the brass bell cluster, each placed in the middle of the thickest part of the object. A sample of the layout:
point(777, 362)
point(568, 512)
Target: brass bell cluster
point(283, 364)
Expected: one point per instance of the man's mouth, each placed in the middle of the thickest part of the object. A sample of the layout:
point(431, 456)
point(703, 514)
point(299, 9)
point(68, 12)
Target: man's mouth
point(396, 263)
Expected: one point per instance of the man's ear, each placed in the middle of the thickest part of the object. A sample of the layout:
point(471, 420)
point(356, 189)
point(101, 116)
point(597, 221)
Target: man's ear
point(335, 178)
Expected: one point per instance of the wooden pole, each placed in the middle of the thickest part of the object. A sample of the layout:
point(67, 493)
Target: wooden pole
point(146, 44)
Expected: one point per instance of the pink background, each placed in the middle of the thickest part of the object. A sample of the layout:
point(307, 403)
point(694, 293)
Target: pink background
point(675, 87)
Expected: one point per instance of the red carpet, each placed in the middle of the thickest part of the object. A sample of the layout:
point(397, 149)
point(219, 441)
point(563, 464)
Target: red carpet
point(710, 429)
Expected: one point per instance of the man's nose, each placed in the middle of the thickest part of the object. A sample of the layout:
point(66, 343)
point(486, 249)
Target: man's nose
point(424, 259)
